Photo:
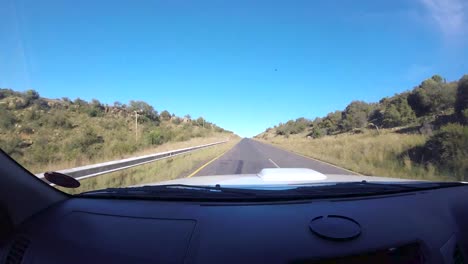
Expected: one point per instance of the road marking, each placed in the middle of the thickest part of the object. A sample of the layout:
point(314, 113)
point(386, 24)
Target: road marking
point(274, 163)
point(206, 164)
point(307, 157)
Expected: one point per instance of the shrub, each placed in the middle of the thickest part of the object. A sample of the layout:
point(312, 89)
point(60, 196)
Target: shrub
point(88, 143)
point(461, 105)
point(159, 136)
point(176, 121)
point(11, 146)
point(58, 120)
point(449, 148)
point(122, 148)
point(7, 119)
point(317, 132)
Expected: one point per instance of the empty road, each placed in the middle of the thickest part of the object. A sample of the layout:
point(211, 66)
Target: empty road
point(250, 157)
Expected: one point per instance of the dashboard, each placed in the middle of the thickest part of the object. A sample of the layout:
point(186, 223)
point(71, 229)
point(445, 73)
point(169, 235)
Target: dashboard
point(418, 227)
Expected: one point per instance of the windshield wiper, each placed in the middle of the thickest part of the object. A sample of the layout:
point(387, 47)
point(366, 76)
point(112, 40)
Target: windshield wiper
point(173, 191)
point(218, 193)
point(372, 188)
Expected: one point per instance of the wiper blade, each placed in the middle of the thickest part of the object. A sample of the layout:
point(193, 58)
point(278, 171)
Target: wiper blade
point(172, 190)
point(368, 188)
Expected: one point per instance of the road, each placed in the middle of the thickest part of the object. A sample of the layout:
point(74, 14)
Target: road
point(250, 157)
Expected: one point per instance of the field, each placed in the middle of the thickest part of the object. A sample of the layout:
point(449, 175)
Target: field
point(162, 170)
point(367, 153)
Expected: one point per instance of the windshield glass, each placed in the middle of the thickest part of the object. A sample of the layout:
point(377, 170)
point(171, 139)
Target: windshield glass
point(254, 94)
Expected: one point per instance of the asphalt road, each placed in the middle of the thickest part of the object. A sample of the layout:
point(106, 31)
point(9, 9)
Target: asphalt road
point(250, 157)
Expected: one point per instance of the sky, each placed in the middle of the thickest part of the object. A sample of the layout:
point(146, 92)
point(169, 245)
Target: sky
point(244, 65)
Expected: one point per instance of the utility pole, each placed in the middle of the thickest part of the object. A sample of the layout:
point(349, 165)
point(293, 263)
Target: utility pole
point(136, 126)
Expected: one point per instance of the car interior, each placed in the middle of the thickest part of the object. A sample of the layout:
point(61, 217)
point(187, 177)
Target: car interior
point(39, 224)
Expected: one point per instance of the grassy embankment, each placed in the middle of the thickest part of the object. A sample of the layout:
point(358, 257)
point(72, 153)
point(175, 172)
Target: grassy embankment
point(162, 170)
point(108, 156)
point(368, 153)
point(52, 134)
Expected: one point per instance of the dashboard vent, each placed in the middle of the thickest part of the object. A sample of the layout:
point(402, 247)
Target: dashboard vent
point(17, 250)
point(457, 256)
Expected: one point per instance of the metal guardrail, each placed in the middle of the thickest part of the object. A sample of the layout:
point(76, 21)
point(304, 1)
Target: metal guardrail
point(116, 165)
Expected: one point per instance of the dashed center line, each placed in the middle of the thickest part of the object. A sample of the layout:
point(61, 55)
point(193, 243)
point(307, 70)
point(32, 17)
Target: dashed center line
point(274, 163)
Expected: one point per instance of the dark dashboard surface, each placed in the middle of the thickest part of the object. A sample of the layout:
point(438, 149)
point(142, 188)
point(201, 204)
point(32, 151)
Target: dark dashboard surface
point(424, 227)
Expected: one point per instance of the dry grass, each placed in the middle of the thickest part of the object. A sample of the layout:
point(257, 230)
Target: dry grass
point(162, 170)
point(367, 153)
point(38, 168)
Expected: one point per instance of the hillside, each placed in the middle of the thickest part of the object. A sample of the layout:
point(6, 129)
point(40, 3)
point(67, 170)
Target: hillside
point(421, 133)
point(45, 134)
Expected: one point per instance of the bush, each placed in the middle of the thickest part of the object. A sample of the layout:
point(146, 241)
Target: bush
point(26, 130)
point(122, 148)
point(11, 146)
point(432, 96)
point(159, 136)
point(7, 119)
point(88, 143)
point(449, 149)
point(176, 121)
point(461, 105)
point(31, 96)
point(57, 120)
point(317, 132)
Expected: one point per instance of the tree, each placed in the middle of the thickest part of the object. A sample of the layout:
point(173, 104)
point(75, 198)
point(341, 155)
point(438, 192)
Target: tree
point(143, 109)
point(449, 148)
point(117, 104)
point(176, 121)
point(432, 96)
point(330, 123)
point(31, 95)
point(355, 115)
point(155, 137)
point(391, 117)
point(398, 112)
point(461, 105)
point(316, 132)
point(80, 102)
point(437, 78)
point(7, 119)
point(165, 115)
point(200, 121)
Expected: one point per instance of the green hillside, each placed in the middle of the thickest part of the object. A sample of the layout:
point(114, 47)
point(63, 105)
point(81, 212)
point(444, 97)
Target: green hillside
point(44, 133)
point(418, 133)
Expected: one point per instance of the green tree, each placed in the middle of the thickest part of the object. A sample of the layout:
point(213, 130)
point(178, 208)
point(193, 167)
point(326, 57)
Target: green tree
point(155, 137)
point(432, 97)
point(176, 121)
point(31, 96)
point(330, 123)
point(355, 115)
point(461, 106)
point(316, 132)
point(144, 109)
point(88, 143)
point(391, 117)
point(7, 119)
point(200, 121)
point(398, 113)
point(449, 148)
point(165, 115)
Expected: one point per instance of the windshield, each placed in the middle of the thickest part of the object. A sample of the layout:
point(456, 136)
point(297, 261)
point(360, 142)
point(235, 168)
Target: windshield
point(255, 94)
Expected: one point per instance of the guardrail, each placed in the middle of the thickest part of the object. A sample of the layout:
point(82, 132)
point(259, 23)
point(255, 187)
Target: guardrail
point(116, 165)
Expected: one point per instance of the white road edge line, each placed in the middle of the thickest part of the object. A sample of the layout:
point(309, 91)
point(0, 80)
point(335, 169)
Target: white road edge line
point(274, 163)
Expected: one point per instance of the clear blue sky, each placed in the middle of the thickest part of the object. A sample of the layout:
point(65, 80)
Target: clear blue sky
point(244, 65)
